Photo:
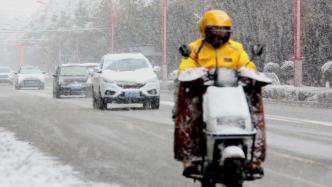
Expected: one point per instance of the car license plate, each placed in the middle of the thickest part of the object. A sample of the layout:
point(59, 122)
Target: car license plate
point(76, 87)
point(132, 94)
point(30, 82)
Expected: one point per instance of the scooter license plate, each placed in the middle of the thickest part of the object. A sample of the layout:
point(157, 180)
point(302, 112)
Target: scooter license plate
point(131, 94)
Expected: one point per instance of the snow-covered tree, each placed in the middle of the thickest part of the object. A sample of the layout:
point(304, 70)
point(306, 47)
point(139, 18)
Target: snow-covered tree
point(327, 73)
point(272, 67)
point(286, 72)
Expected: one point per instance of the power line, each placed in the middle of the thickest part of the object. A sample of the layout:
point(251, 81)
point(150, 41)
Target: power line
point(53, 30)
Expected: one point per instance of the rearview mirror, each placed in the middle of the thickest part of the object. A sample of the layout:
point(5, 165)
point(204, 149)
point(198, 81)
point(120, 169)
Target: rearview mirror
point(90, 71)
point(185, 51)
point(257, 50)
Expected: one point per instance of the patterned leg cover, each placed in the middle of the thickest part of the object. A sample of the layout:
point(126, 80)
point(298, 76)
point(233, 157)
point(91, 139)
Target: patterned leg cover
point(256, 97)
point(189, 142)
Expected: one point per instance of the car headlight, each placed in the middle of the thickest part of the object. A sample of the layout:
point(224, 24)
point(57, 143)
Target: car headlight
point(108, 81)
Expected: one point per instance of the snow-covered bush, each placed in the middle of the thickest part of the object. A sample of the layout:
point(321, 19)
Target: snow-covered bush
point(285, 93)
point(327, 73)
point(286, 74)
point(272, 67)
point(302, 94)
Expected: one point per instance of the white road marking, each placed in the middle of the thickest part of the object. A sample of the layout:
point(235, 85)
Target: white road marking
point(292, 157)
point(294, 178)
point(167, 103)
point(297, 120)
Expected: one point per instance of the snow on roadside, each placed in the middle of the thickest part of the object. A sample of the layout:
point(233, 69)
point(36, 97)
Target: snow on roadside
point(21, 164)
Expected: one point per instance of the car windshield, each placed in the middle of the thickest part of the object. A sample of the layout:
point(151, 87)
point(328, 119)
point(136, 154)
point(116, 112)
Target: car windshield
point(128, 64)
point(4, 70)
point(73, 71)
point(30, 71)
point(91, 67)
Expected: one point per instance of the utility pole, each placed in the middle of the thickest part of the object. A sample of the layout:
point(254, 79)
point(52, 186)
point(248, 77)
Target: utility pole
point(298, 66)
point(77, 56)
point(164, 38)
point(112, 24)
point(22, 53)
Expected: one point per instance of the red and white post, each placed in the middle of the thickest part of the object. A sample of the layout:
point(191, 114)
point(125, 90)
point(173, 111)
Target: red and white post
point(112, 20)
point(298, 68)
point(164, 38)
point(22, 53)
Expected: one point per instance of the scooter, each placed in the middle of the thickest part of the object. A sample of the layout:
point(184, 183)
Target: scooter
point(230, 130)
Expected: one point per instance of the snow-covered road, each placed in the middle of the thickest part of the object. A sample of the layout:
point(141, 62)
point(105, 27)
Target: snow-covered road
point(23, 165)
point(123, 147)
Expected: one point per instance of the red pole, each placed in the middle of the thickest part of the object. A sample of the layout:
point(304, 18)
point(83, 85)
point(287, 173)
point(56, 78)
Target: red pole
point(298, 56)
point(21, 51)
point(22, 55)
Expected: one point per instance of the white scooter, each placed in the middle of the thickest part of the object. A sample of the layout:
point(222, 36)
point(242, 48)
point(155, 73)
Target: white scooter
point(230, 129)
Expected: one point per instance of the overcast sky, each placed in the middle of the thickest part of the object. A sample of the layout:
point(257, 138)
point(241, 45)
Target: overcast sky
point(10, 8)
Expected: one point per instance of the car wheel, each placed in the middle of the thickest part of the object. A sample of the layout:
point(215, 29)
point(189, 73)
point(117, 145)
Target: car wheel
point(94, 101)
point(17, 87)
point(56, 93)
point(155, 104)
point(146, 105)
point(98, 102)
point(88, 93)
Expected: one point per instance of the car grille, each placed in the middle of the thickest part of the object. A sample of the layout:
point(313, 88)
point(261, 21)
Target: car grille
point(31, 82)
point(75, 80)
point(129, 85)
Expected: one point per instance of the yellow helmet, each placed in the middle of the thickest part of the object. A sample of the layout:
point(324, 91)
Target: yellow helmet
point(216, 18)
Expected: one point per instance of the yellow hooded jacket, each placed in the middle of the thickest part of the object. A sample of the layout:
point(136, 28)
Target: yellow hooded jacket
point(229, 55)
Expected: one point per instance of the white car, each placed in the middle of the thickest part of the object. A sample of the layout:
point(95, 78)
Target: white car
point(125, 78)
point(29, 76)
point(6, 75)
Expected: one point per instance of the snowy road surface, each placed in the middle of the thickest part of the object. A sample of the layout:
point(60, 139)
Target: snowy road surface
point(67, 140)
